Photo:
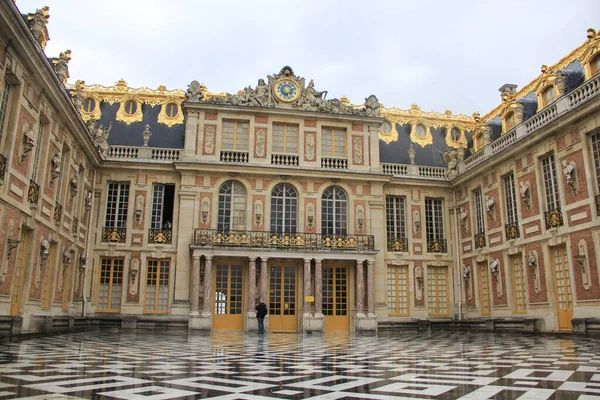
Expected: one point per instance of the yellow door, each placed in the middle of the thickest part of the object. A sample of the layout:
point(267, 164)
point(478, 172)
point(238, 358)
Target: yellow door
point(229, 295)
point(335, 299)
point(484, 287)
point(17, 283)
point(282, 299)
point(564, 296)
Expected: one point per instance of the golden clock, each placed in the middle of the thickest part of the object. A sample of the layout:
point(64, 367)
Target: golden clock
point(287, 90)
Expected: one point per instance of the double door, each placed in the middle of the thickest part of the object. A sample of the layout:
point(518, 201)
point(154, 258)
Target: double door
point(283, 310)
point(335, 299)
point(564, 295)
point(228, 297)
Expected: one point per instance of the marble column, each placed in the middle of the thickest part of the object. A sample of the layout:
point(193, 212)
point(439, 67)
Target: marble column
point(264, 276)
point(360, 288)
point(195, 278)
point(251, 284)
point(318, 288)
point(206, 309)
point(306, 284)
point(371, 287)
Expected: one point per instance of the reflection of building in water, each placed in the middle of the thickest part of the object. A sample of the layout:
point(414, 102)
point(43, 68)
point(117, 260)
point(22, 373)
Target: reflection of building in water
point(342, 217)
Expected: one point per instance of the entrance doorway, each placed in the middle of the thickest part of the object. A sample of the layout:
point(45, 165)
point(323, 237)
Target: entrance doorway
point(17, 283)
point(335, 299)
point(562, 279)
point(229, 295)
point(282, 299)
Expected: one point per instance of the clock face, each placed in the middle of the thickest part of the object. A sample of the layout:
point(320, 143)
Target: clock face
point(287, 90)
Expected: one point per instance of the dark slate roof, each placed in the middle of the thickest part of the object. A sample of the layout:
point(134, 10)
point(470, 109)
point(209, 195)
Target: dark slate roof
point(131, 135)
point(530, 105)
point(430, 155)
point(573, 77)
point(496, 128)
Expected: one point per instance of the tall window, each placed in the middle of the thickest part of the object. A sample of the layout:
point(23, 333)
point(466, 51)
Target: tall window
point(284, 208)
point(162, 206)
point(518, 283)
point(116, 205)
point(437, 284)
point(548, 96)
point(285, 138)
point(397, 290)
point(334, 212)
point(157, 286)
point(235, 135)
point(434, 219)
point(4, 97)
point(511, 198)
point(596, 65)
point(111, 284)
point(550, 183)
point(395, 215)
point(232, 207)
point(509, 121)
point(333, 142)
point(596, 155)
point(480, 225)
point(37, 151)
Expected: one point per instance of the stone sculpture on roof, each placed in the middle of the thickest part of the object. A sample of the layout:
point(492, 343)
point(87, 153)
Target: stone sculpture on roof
point(285, 88)
point(100, 136)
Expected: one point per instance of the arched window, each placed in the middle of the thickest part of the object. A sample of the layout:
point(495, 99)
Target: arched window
point(509, 121)
point(596, 64)
point(284, 208)
point(334, 212)
point(548, 95)
point(232, 207)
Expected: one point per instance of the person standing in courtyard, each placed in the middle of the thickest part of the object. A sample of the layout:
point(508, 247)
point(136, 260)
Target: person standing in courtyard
point(261, 313)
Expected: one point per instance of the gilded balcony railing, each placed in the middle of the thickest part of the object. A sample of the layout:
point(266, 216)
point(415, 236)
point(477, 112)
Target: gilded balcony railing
point(283, 241)
point(397, 244)
point(2, 168)
point(160, 236)
point(553, 218)
point(512, 231)
point(113, 234)
point(480, 240)
point(33, 193)
point(436, 245)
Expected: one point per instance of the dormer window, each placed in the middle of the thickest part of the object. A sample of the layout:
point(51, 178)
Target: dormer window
point(596, 65)
point(548, 96)
point(455, 134)
point(89, 105)
point(172, 110)
point(509, 121)
point(421, 131)
point(130, 107)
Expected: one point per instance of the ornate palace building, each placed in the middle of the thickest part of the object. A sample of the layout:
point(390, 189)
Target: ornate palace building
point(182, 208)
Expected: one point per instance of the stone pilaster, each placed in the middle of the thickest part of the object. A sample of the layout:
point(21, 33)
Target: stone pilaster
point(264, 276)
point(307, 285)
point(206, 310)
point(371, 288)
point(318, 288)
point(195, 281)
point(360, 289)
point(251, 285)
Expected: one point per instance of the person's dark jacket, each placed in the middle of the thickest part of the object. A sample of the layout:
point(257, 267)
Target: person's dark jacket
point(261, 310)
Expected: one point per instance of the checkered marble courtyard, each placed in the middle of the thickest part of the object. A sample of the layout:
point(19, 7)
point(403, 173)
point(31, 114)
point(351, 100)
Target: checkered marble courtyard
point(174, 365)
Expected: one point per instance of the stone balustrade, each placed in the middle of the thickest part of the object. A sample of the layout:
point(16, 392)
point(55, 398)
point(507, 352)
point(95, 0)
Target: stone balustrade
point(289, 160)
point(155, 154)
point(334, 163)
point(394, 169)
point(229, 156)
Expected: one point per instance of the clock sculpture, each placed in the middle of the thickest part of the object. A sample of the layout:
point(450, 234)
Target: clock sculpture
point(287, 90)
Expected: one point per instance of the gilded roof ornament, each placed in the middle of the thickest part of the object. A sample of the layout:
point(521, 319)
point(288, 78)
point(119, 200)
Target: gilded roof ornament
point(61, 67)
point(37, 24)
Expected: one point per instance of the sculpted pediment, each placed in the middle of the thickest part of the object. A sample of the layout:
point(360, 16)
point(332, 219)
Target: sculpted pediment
point(285, 90)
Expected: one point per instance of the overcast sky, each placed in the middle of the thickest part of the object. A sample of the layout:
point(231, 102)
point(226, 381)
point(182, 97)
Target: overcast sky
point(439, 54)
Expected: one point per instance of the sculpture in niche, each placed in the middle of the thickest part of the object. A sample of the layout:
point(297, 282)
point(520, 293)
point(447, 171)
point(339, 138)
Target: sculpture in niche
point(525, 193)
point(100, 136)
point(419, 282)
point(55, 164)
point(133, 274)
point(532, 262)
point(310, 216)
point(89, 196)
point(205, 209)
point(286, 87)
point(358, 151)
point(569, 172)
point(67, 254)
point(490, 205)
point(209, 140)
point(462, 216)
point(310, 147)
point(139, 208)
point(61, 67)
point(417, 220)
point(466, 270)
point(360, 218)
point(44, 251)
point(260, 143)
point(411, 153)
point(29, 138)
point(74, 186)
point(194, 92)
point(495, 269)
point(581, 259)
point(146, 134)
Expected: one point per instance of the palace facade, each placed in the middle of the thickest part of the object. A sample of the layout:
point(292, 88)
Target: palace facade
point(182, 208)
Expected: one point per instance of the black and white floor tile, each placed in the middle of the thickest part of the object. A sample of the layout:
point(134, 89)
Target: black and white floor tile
point(174, 365)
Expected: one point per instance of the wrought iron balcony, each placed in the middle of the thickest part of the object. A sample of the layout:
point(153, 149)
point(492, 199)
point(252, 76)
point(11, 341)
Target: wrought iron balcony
point(553, 218)
point(2, 168)
point(512, 231)
point(58, 211)
point(113, 234)
point(598, 205)
point(33, 194)
point(480, 240)
point(283, 241)
point(160, 236)
point(437, 245)
point(397, 244)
